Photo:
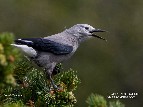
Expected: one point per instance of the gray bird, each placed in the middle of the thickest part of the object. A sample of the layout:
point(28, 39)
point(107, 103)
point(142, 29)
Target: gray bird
point(47, 52)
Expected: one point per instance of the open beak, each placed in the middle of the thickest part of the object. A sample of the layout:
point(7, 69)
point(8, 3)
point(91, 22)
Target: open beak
point(97, 30)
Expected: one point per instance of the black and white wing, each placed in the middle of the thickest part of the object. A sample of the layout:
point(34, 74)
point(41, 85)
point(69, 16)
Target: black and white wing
point(45, 45)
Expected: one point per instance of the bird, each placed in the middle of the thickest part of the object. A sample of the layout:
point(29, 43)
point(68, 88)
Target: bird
point(47, 52)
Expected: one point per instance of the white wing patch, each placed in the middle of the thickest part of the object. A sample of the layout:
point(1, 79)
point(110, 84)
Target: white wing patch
point(29, 51)
point(26, 41)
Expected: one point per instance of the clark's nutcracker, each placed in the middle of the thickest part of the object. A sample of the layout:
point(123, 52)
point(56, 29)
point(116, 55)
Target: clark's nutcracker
point(48, 51)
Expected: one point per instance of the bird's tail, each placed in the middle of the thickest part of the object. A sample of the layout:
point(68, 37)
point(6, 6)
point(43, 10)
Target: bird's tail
point(29, 51)
point(14, 45)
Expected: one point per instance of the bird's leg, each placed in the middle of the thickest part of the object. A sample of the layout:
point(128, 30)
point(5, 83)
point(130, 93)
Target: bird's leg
point(48, 75)
point(52, 82)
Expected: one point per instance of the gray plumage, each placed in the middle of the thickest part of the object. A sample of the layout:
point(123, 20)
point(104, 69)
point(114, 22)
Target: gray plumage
point(48, 51)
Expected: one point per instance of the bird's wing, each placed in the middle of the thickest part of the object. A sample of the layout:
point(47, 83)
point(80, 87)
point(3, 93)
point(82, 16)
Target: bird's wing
point(46, 45)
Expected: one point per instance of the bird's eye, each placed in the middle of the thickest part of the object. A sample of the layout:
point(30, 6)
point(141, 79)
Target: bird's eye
point(86, 28)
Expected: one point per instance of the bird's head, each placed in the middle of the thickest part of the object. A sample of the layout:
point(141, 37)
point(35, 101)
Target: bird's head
point(84, 31)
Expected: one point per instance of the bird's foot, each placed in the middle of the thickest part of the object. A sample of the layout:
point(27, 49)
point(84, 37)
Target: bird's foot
point(57, 89)
point(54, 86)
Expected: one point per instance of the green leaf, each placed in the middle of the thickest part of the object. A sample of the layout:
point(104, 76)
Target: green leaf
point(96, 101)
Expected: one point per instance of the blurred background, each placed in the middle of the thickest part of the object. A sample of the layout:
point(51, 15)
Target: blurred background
point(109, 67)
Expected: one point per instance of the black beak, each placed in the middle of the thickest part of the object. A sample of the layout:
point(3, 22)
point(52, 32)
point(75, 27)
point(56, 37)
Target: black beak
point(98, 30)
